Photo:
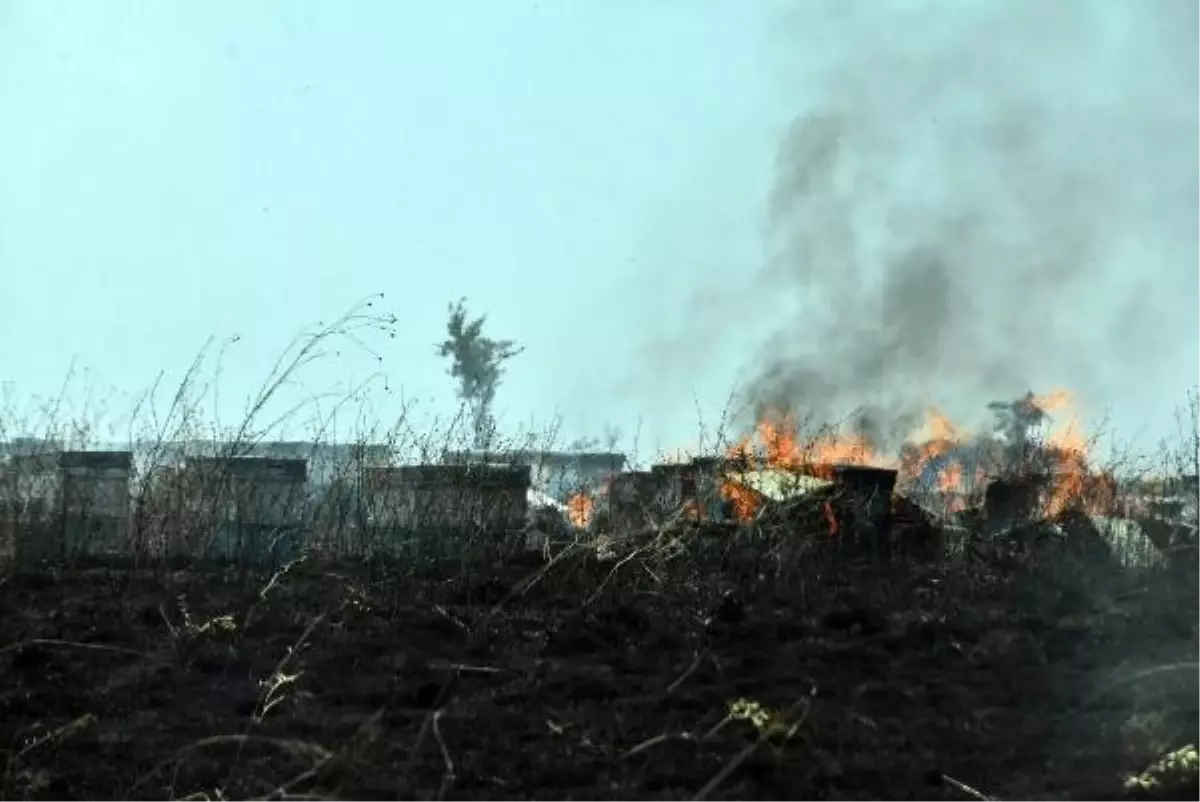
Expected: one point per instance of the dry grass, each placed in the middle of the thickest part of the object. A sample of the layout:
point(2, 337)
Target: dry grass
point(683, 659)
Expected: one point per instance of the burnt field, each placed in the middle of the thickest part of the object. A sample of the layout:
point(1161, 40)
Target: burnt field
point(655, 673)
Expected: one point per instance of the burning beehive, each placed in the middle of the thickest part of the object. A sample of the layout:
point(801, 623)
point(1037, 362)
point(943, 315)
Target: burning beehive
point(941, 463)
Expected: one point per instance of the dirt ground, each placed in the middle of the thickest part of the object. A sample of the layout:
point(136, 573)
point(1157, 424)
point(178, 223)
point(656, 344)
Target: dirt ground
point(870, 681)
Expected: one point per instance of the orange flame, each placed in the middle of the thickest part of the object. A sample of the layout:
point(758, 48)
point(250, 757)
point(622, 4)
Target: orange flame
point(744, 501)
point(1073, 484)
point(831, 519)
point(579, 510)
point(775, 443)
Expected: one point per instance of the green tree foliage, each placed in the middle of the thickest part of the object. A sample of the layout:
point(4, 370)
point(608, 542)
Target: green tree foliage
point(477, 364)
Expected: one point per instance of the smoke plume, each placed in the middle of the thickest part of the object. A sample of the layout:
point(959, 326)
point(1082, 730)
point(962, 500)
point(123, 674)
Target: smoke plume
point(979, 198)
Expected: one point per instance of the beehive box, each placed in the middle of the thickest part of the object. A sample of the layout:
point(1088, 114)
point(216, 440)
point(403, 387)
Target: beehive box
point(253, 507)
point(420, 503)
point(95, 502)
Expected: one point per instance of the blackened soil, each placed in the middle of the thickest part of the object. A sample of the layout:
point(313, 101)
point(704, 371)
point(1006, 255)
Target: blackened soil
point(334, 683)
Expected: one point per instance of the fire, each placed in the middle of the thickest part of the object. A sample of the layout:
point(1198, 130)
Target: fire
point(831, 519)
point(580, 508)
point(1073, 483)
point(950, 479)
point(776, 443)
point(1055, 401)
point(743, 500)
point(1067, 450)
point(779, 446)
point(939, 437)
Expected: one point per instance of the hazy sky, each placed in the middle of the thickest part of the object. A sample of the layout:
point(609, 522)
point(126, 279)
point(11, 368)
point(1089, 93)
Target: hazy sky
point(608, 182)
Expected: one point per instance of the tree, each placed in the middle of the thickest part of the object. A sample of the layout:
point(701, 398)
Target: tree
point(477, 363)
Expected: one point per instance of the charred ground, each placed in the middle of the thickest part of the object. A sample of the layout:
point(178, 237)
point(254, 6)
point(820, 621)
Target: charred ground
point(672, 669)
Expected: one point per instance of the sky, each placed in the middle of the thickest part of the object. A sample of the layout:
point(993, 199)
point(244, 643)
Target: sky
point(677, 208)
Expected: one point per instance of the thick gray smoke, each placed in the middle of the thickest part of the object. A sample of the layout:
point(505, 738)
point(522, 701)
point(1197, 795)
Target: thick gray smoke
point(979, 198)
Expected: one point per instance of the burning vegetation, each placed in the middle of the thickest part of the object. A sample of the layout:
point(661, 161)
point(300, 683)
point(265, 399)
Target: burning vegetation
point(944, 465)
point(1033, 467)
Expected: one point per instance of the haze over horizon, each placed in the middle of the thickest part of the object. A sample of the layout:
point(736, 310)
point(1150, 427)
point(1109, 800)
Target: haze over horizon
point(814, 204)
